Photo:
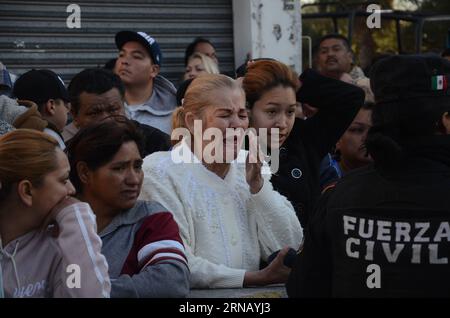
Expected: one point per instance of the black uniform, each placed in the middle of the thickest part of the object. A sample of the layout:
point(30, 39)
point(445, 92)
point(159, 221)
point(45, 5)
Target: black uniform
point(310, 140)
point(382, 234)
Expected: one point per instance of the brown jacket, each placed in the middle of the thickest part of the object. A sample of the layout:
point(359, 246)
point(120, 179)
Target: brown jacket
point(31, 119)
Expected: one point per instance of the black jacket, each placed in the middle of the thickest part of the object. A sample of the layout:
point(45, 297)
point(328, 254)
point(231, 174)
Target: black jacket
point(310, 140)
point(154, 139)
point(398, 221)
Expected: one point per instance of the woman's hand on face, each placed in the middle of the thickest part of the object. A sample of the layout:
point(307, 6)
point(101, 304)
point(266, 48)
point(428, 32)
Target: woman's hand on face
point(67, 201)
point(253, 172)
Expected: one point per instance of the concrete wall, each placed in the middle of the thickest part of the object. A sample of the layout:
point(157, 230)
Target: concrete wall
point(268, 28)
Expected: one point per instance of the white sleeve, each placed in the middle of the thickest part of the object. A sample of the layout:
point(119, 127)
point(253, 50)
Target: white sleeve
point(204, 274)
point(278, 225)
point(83, 265)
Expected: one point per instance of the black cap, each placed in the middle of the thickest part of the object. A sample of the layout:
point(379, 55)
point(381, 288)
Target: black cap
point(143, 38)
point(39, 86)
point(401, 77)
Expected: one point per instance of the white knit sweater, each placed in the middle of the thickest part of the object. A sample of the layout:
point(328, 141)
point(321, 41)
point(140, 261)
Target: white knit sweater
point(226, 230)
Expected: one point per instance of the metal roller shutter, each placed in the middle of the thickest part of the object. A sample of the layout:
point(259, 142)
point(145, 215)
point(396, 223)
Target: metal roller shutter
point(33, 34)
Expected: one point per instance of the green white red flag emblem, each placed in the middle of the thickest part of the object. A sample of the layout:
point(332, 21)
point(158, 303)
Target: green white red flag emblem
point(439, 83)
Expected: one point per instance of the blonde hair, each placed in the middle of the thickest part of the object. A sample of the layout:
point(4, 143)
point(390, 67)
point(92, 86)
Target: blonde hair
point(200, 95)
point(25, 154)
point(207, 62)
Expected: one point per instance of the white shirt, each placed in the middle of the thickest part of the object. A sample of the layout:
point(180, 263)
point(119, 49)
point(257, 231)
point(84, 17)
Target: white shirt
point(226, 230)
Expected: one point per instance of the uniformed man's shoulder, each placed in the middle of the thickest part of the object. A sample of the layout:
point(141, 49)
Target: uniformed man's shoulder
point(358, 177)
point(355, 185)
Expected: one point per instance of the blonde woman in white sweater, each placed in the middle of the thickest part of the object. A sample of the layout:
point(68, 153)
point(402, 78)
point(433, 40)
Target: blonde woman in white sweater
point(230, 217)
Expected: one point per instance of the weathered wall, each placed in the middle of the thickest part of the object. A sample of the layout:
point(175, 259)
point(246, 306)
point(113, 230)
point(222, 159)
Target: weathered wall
point(268, 28)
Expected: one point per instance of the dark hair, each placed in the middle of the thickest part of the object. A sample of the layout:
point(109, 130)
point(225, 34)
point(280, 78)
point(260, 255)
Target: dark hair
point(368, 106)
point(446, 52)
point(110, 64)
point(181, 91)
point(191, 48)
point(344, 40)
point(396, 125)
point(94, 81)
point(98, 143)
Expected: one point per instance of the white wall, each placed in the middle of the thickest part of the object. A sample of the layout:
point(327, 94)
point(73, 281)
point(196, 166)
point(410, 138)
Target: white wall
point(268, 28)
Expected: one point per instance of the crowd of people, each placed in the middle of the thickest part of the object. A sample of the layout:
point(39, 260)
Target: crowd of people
point(264, 177)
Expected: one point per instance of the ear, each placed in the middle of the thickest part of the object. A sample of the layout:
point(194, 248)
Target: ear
point(339, 144)
point(24, 191)
point(299, 111)
point(50, 107)
point(74, 116)
point(350, 57)
point(189, 119)
point(154, 70)
point(446, 123)
point(83, 172)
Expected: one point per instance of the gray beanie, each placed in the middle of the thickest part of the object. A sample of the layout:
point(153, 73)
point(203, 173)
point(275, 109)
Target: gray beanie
point(10, 110)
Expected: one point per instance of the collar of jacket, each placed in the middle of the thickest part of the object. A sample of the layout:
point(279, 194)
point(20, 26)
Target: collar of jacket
point(162, 102)
point(55, 129)
point(434, 148)
point(431, 151)
point(128, 217)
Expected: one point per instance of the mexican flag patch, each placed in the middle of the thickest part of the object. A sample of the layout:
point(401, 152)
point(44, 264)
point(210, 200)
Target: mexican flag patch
point(439, 83)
